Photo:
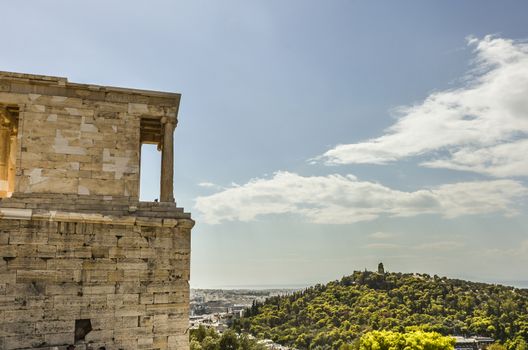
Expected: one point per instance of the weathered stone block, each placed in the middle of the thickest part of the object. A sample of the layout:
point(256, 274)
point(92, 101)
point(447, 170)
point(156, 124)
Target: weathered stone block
point(23, 341)
point(59, 338)
point(48, 327)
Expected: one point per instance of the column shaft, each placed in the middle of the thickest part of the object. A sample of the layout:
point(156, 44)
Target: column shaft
point(167, 164)
point(5, 141)
point(11, 172)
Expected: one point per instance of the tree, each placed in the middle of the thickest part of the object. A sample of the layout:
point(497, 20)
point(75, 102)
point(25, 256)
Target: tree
point(209, 343)
point(229, 341)
point(195, 345)
point(341, 311)
point(418, 340)
point(496, 346)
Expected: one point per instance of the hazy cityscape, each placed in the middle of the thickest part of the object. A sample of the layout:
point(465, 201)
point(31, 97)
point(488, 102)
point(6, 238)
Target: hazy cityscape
point(217, 307)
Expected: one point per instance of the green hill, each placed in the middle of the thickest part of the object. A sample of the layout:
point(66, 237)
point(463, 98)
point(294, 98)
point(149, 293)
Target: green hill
point(329, 316)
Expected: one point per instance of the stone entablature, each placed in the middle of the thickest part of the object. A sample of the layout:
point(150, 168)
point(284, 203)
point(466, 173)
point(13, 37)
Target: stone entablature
point(85, 262)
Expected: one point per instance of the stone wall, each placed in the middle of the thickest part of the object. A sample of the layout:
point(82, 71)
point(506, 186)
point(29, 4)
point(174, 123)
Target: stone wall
point(87, 148)
point(127, 275)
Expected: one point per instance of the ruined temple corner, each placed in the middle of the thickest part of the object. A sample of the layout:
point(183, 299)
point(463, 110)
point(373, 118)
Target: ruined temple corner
point(84, 261)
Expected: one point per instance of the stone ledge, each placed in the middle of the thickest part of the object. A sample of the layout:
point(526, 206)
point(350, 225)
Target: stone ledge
point(92, 218)
point(87, 204)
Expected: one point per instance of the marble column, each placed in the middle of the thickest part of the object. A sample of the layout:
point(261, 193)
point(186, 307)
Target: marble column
point(167, 162)
point(5, 143)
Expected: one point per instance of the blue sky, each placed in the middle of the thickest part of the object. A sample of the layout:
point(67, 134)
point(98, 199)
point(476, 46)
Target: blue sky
point(318, 137)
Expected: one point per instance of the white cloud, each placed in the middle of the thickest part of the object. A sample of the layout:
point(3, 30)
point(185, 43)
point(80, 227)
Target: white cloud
point(384, 246)
point(207, 185)
point(520, 250)
point(480, 127)
point(381, 235)
point(336, 199)
point(502, 160)
point(441, 245)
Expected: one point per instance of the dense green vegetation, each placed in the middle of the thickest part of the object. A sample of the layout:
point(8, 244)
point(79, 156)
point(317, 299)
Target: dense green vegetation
point(417, 340)
point(335, 315)
point(204, 338)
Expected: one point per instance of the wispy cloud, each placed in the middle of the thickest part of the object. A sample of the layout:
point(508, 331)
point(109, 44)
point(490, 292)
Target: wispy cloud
point(521, 250)
point(435, 246)
point(208, 185)
point(337, 199)
point(441, 245)
point(383, 246)
point(381, 235)
point(480, 127)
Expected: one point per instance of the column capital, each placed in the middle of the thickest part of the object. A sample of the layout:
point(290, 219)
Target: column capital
point(4, 116)
point(8, 120)
point(169, 120)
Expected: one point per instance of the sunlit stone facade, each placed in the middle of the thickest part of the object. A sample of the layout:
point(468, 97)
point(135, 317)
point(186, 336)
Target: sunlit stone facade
point(85, 262)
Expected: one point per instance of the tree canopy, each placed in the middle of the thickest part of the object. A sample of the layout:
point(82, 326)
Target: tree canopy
point(337, 314)
point(417, 340)
point(204, 338)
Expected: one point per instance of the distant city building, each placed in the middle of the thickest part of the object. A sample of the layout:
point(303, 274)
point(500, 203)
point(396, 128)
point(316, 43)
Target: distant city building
point(484, 342)
point(217, 308)
point(472, 343)
point(237, 310)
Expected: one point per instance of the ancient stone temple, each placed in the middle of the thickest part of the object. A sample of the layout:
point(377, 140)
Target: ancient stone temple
point(83, 261)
